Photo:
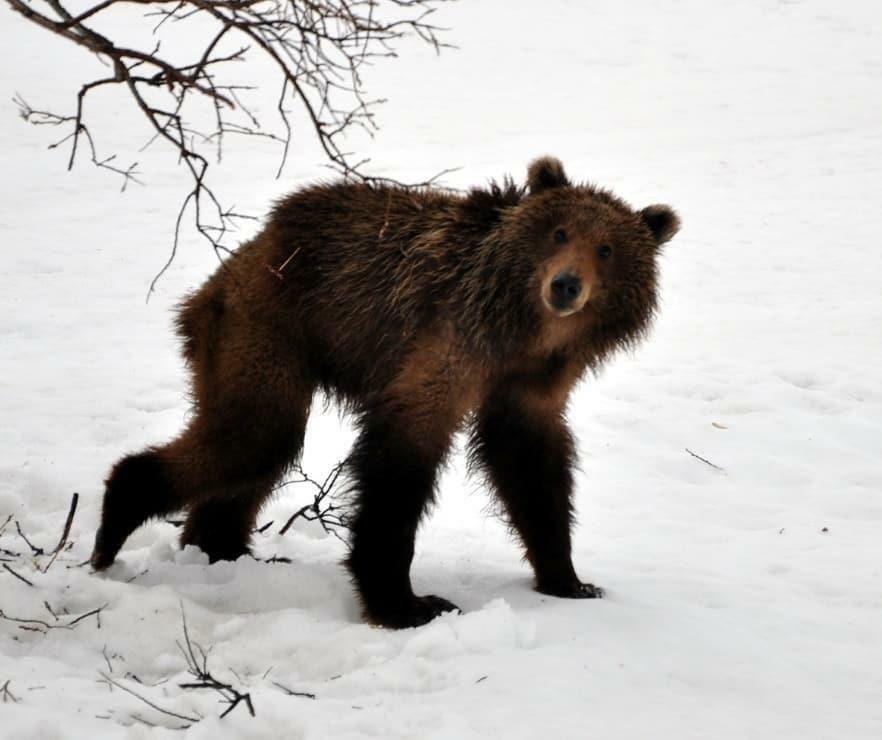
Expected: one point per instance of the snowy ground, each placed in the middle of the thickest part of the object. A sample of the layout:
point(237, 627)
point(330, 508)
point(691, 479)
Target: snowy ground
point(742, 603)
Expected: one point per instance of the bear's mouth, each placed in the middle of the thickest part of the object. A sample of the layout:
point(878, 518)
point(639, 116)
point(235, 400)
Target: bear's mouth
point(561, 313)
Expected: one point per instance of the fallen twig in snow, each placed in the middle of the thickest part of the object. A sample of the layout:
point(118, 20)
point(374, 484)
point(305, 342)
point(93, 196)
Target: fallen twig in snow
point(168, 712)
point(17, 575)
point(66, 531)
point(706, 462)
point(95, 612)
point(291, 692)
point(7, 694)
point(34, 549)
point(137, 575)
point(277, 559)
point(35, 625)
point(107, 658)
point(26, 624)
point(204, 680)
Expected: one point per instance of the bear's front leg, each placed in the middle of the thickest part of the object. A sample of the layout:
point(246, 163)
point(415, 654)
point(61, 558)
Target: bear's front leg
point(395, 478)
point(522, 441)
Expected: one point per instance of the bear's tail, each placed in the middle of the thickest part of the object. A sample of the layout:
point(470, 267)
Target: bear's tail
point(137, 489)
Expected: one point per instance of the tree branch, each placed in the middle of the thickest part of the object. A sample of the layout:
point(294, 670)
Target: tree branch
point(316, 49)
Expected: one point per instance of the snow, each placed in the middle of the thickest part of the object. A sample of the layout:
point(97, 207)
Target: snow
point(743, 602)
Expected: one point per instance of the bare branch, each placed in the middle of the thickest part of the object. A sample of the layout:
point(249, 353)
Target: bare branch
point(329, 515)
point(316, 50)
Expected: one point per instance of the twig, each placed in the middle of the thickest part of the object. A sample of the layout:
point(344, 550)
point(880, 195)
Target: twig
point(95, 612)
point(147, 701)
point(137, 575)
point(291, 692)
point(66, 531)
point(107, 659)
point(34, 549)
point(707, 462)
point(40, 623)
point(17, 575)
point(326, 514)
point(278, 559)
point(204, 679)
point(278, 271)
point(7, 694)
point(316, 52)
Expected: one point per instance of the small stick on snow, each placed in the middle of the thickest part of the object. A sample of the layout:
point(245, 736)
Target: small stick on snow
point(34, 549)
point(149, 703)
point(66, 531)
point(20, 577)
point(36, 624)
point(204, 679)
point(291, 692)
point(706, 462)
point(95, 612)
point(7, 694)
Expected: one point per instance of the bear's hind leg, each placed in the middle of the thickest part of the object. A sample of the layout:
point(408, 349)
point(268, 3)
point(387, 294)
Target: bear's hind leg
point(245, 462)
point(138, 488)
point(221, 469)
point(222, 525)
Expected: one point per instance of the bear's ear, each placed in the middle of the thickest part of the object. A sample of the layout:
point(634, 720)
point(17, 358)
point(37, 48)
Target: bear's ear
point(662, 222)
point(544, 173)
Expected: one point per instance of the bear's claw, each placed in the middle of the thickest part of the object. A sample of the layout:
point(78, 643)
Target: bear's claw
point(573, 590)
point(415, 612)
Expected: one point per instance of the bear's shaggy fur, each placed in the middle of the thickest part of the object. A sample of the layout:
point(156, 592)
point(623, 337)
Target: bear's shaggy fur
point(423, 312)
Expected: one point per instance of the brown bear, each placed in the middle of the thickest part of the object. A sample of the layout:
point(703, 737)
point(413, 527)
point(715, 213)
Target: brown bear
point(422, 312)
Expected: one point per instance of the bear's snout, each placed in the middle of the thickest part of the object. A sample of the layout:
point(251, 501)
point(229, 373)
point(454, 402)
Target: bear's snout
point(565, 290)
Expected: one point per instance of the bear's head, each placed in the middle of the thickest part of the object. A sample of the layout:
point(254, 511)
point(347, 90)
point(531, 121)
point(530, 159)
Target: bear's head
point(586, 260)
point(593, 244)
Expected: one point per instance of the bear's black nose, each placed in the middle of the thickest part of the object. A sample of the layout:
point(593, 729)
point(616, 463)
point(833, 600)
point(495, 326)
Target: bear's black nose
point(565, 289)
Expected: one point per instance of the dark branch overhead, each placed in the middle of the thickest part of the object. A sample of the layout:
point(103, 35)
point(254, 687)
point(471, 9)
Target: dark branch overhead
point(316, 49)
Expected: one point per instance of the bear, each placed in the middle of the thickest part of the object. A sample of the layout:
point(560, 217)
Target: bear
point(423, 312)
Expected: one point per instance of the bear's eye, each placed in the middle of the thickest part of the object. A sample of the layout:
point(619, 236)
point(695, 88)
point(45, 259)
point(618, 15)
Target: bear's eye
point(560, 236)
point(604, 252)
